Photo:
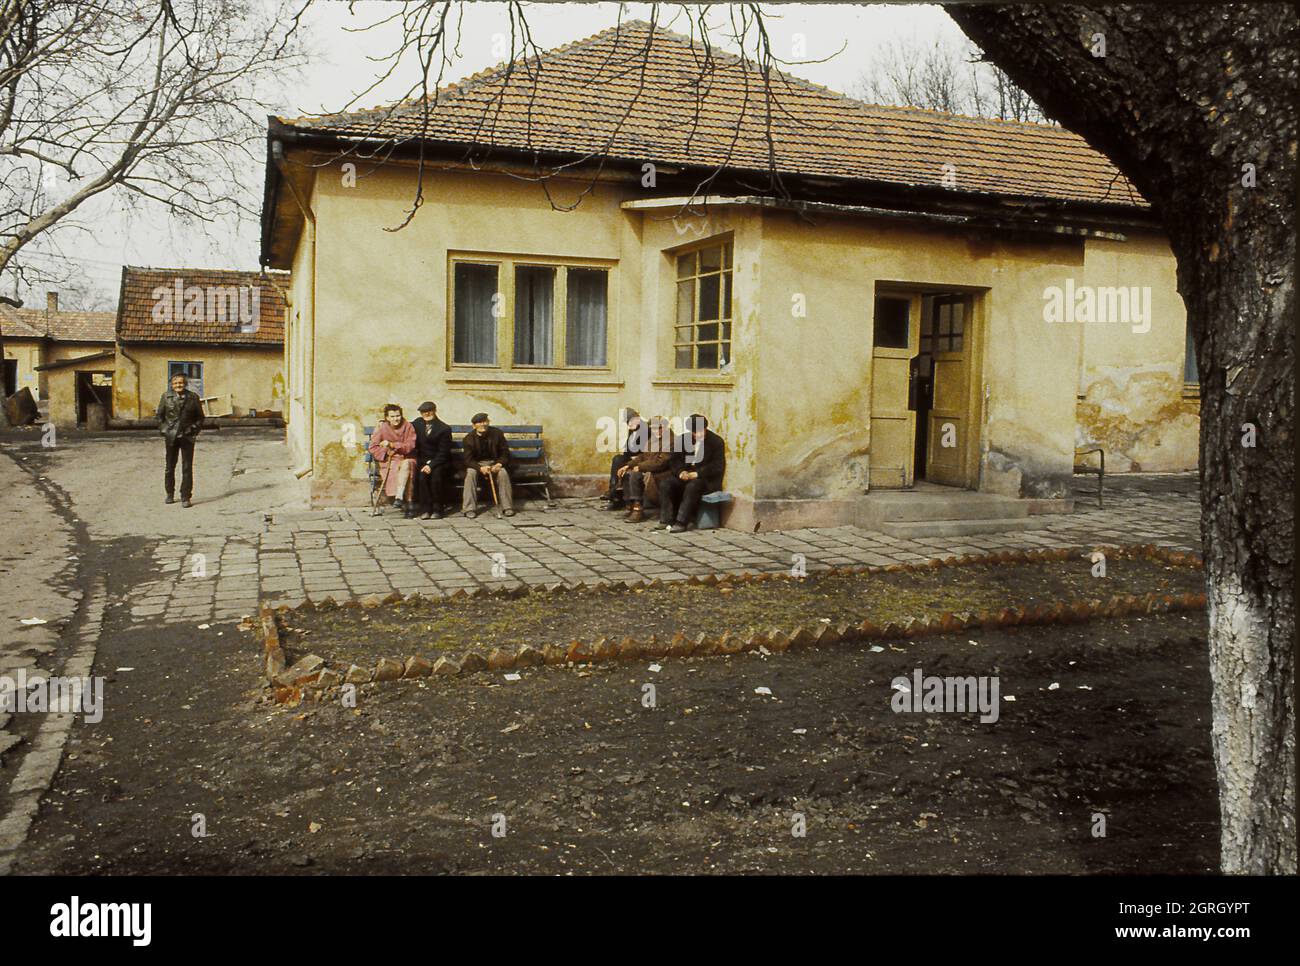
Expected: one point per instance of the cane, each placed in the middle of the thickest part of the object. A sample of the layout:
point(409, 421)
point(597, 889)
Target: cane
point(383, 488)
point(493, 483)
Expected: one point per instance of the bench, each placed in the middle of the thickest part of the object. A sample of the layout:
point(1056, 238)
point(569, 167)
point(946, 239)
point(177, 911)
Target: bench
point(1081, 467)
point(528, 463)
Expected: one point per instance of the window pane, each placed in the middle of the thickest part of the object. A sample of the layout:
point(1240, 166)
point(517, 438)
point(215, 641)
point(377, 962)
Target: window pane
point(710, 290)
point(710, 259)
point(686, 301)
point(708, 356)
point(686, 265)
point(708, 333)
point(474, 337)
point(684, 358)
point(534, 315)
point(958, 317)
point(726, 331)
point(726, 296)
point(1190, 372)
point(726, 352)
point(683, 334)
point(891, 322)
point(587, 321)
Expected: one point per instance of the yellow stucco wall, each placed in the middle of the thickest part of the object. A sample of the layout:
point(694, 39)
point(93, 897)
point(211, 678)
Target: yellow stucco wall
point(369, 324)
point(254, 378)
point(62, 385)
point(1132, 399)
point(27, 352)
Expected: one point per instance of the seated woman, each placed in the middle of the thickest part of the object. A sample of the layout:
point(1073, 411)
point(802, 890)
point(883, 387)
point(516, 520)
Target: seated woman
point(644, 471)
point(391, 444)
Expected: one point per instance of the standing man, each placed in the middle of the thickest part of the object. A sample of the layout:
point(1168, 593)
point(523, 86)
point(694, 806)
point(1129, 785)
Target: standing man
point(487, 457)
point(635, 443)
point(432, 461)
point(180, 417)
point(699, 461)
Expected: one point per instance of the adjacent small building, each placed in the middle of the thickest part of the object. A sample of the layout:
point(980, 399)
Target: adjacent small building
point(64, 357)
point(223, 330)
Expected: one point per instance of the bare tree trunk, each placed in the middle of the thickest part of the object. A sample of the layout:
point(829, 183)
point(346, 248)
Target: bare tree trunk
point(1196, 105)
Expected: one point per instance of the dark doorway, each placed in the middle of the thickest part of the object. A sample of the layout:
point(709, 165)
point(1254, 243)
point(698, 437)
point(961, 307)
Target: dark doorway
point(10, 377)
point(94, 387)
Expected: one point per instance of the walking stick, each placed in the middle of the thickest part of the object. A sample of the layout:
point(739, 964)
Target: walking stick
point(493, 483)
point(383, 488)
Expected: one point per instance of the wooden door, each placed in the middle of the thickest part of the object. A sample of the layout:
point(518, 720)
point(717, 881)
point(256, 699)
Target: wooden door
point(895, 335)
point(945, 338)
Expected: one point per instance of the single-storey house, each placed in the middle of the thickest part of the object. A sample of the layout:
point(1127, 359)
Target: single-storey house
point(858, 297)
point(63, 357)
point(223, 330)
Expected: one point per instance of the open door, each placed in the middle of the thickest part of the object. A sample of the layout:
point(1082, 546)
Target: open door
point(893, 422)
point(944, 345)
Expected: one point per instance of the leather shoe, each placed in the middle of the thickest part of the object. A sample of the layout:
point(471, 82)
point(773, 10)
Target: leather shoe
point(635, 515)
point(677, 528)
point(170, 499)
point(186, 504)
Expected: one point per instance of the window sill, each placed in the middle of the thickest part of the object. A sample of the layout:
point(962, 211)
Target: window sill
point(687, 379)
point(534, 378)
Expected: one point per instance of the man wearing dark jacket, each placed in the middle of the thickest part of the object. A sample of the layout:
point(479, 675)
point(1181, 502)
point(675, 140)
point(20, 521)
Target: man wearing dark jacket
point(699, 462)
point(636, 442)
point(180, 417)
point(432, 462)
point(487, 457)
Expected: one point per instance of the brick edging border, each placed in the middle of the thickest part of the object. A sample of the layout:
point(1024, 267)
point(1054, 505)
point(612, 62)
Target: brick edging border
point(311, 676)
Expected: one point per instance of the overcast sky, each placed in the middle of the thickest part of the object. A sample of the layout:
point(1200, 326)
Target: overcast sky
point(839, 40)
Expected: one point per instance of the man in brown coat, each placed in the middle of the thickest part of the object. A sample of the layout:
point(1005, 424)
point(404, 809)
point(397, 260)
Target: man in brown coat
point(487, 458)
point(644, 471)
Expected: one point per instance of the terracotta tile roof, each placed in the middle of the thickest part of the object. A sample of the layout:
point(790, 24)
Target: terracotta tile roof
point(209, 306)
point(14, 324)
point(59, 326)
point(604, 96)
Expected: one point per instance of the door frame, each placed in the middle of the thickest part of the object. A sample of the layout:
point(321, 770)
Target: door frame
point(973, 363)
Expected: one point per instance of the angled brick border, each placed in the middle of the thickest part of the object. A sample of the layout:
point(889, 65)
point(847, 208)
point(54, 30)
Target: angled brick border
point(311, 678)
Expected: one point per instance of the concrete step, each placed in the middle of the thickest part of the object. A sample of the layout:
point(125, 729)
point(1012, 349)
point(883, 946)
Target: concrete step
point(912, 507)
point(919, 529)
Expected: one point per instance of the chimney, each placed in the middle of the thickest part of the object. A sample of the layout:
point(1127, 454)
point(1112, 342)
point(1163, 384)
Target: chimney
point(51, 302)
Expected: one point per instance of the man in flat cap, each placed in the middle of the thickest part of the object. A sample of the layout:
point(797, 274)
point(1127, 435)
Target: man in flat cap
point(636, 442)
point(432, 462)
point(487, 458)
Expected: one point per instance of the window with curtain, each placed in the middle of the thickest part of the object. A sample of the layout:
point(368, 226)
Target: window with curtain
point(474, 340)
point(534, 314)
point(703, 327)
point(587, 314)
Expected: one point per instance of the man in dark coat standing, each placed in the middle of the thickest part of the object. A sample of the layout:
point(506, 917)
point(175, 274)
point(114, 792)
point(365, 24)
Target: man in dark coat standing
point(180, 417)
point(699, 462)
point(432, 462)
point(487, 459)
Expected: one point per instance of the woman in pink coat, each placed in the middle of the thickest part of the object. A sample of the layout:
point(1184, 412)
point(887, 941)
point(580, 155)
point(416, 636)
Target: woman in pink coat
point(393, 441)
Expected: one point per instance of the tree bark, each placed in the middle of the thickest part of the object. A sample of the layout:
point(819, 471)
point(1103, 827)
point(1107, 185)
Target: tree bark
point(1182, 100)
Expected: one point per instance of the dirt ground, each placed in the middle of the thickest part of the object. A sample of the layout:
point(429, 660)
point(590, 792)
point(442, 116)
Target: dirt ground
point(582, 777)
point(429, 628)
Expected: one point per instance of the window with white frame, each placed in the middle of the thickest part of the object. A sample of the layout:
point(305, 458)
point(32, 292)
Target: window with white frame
point(534, 313)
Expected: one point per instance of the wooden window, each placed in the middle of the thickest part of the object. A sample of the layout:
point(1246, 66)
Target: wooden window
point(702, 328)
point(551, 312)
point(891, 321)
point(1191, 375)
point(943, 326)
point(193, 373)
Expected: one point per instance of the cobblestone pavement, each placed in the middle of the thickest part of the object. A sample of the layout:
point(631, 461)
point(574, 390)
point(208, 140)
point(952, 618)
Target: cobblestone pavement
point(344, 553)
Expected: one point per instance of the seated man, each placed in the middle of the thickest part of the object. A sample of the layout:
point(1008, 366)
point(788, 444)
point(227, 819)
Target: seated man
point(699, 462)
point(391, 445)
point(432, 461)
point(645, 472)
point(635, 443)
point(487, 458)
